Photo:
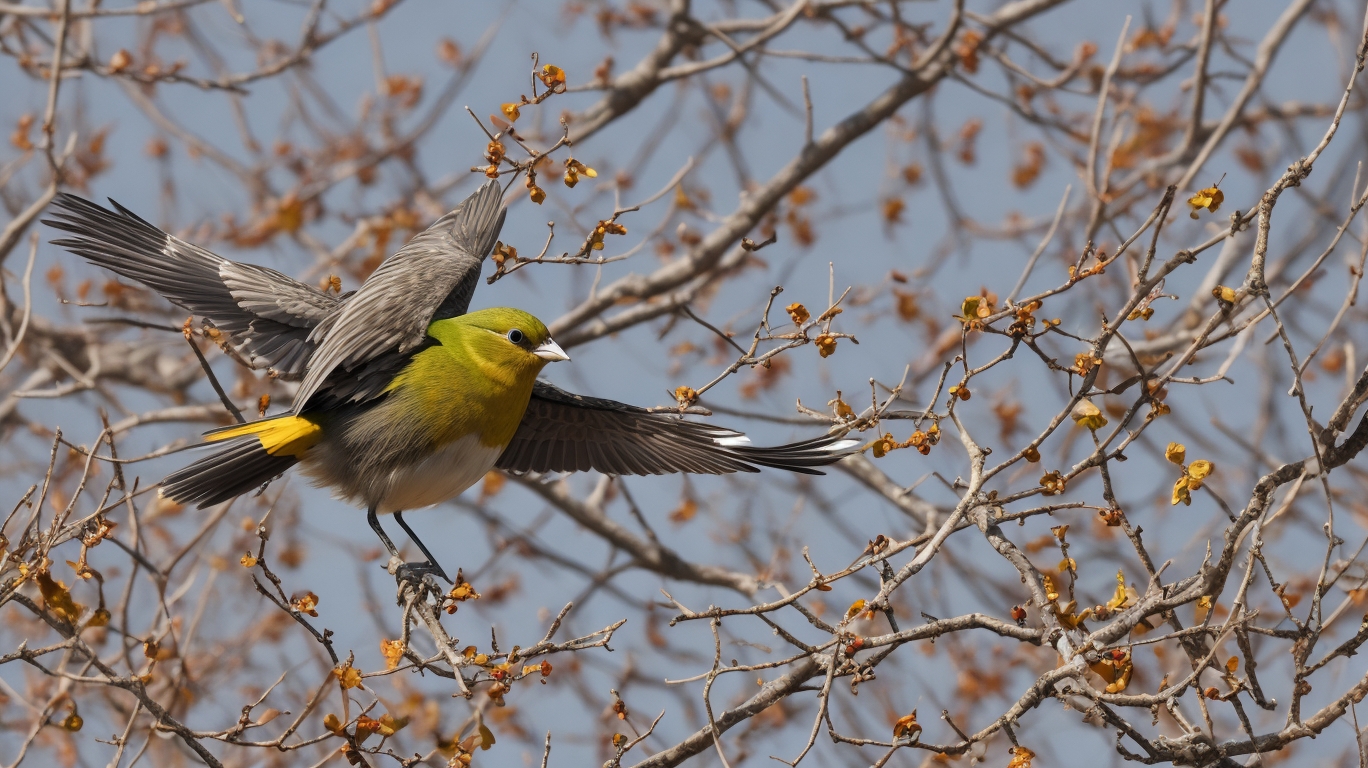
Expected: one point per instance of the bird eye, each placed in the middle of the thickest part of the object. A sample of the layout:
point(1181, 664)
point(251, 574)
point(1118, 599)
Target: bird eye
point(516, 336)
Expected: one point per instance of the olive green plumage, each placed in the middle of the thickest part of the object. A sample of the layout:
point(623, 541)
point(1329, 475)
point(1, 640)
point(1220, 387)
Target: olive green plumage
point(474, 380)
point(440, 426)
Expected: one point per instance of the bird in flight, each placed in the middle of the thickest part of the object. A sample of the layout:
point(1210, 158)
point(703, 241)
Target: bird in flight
point(405, 399)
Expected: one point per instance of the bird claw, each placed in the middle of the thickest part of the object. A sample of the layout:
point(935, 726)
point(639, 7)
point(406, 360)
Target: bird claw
point(423, 576)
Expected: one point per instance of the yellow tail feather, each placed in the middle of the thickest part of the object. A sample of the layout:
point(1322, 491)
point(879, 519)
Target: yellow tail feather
point(288, 435)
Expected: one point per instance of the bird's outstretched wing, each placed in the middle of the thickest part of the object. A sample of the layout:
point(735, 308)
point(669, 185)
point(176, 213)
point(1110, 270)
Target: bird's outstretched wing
point(266, 315)
point(432, 277)
point(562, 432)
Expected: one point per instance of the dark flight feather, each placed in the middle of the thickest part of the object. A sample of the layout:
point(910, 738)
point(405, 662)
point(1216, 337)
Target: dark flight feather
point(266, 315)
point(563, 432)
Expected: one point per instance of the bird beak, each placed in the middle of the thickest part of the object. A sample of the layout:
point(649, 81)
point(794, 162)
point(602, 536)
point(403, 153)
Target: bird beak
point(551, 352)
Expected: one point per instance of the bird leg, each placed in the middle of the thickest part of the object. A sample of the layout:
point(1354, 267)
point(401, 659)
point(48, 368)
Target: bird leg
point(431, 561)
point(375, 526)
point(416, 573)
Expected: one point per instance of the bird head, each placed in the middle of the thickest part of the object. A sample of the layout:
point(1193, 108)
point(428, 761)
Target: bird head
point(510, 338)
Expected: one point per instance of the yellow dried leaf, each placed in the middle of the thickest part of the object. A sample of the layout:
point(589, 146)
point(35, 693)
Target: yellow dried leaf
point(1224, 293)
point(365, 727)
point(1021, 758)
point(883, 445)
point(1087, 415)
point(389, 724)
point(1232, 664)
point(120, 61)
point(1123, 678)
point(494, 481)
point(448, 51)
point(289, 213)
point(1069, 619)
point(393, 651)
point(841, 407)
point(685, 395)
point(1053, 483)
point(1121, 596)
point(686, 511)
point(798, 313)
point(552, 77)
point(1175, 453)
point(826, 344)
point(908, 307)
point(1084, 362)
point(1181, 492)
point(157, 652)
point(83, 571)
point(1051, 593)
point(57, 598)
point(510, 111)
point(855, 608)
point(1198, 471)
point(969, 310)
point(1209, 198)
point(1202, 608)
point(248, 561)
point(305, 603)
point(462, 590)
point(23, 142)
point(574, 169)
point(907, 727)
point(893, 209)
point(348, 677)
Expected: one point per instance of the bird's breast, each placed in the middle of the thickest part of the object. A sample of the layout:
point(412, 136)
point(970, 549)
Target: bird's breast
point(442, 475)
point(456, 397)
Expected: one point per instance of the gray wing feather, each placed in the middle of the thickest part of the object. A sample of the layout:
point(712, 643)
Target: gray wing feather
point(432, 277)
point(275, 321)
point(267, 293)
point(266, 315)
point(563, 432)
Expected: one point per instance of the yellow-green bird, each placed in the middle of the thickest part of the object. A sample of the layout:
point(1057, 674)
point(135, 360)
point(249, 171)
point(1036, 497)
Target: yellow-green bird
point(405, 400)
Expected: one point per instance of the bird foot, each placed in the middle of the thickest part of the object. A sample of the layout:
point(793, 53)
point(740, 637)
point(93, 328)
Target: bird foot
point(423, 576)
